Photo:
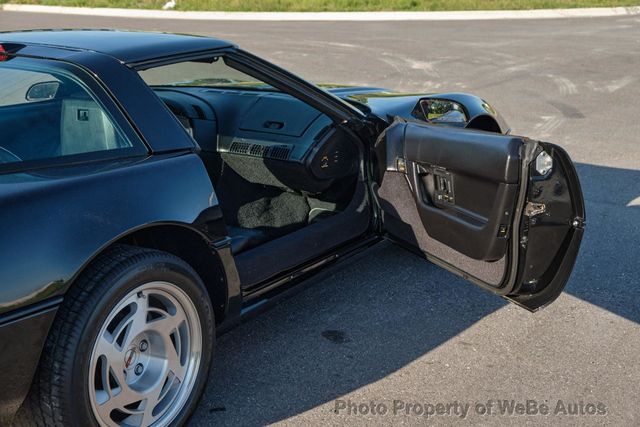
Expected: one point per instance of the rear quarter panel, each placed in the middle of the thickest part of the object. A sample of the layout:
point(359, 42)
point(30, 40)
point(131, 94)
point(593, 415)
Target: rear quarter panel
point(53, 222)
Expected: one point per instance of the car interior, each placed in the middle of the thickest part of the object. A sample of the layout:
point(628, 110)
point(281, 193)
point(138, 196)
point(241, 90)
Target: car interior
point(66, 122)
point(288, 179)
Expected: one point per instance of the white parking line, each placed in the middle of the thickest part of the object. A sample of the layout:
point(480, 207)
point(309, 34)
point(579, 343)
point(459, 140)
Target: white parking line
point(329, 16)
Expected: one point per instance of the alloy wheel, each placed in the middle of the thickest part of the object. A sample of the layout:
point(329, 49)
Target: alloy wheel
point(146, 357)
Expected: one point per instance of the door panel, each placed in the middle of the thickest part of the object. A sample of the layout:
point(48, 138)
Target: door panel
point(464, 186)
point(402, 221)
point(467, 200)
point(487, 156)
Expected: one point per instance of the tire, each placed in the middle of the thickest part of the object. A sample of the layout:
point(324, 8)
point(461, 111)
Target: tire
point(137, 325)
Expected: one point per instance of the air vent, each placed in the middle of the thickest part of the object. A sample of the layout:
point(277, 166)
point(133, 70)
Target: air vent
point(239, 147)
point(258, 150)
point(280, 152)
point(249, 148)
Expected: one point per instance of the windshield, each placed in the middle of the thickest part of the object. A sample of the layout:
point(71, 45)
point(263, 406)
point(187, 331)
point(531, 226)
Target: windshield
point(212, 72)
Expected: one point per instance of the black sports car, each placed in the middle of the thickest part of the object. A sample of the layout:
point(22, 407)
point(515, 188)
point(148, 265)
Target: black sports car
point(156, 188)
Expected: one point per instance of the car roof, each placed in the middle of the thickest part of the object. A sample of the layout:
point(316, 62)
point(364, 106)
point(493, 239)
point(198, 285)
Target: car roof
point(126, 46)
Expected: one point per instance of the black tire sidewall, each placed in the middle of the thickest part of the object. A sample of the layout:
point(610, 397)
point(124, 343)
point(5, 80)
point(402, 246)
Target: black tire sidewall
point(114, 289)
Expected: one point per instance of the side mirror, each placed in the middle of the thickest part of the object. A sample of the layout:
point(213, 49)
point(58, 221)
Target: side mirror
point(441, 111)
point(42, 91)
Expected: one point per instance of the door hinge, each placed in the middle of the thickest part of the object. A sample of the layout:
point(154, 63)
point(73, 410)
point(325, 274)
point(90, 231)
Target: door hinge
point(533, 209)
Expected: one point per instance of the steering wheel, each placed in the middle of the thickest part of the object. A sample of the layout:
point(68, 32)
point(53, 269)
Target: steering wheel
point(7, 156)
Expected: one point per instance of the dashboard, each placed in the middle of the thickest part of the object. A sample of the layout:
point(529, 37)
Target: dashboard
point(268, 138)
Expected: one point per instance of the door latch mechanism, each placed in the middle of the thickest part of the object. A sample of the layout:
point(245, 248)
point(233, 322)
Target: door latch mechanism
point(534, 209)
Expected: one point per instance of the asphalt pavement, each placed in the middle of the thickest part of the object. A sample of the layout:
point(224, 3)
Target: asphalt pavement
point(386, 339)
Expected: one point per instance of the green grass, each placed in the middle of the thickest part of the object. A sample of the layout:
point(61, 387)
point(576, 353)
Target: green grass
point(337, 5)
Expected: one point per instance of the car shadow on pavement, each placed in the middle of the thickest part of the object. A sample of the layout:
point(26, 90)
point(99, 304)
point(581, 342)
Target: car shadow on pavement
point(374, 317)
point(607, 272)
point(355, 327)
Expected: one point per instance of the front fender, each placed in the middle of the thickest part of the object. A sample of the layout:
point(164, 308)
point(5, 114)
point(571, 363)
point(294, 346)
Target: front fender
point(476, 108)
point(387, 105)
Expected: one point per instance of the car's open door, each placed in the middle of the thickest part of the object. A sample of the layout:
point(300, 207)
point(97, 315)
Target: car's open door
point(504, 212)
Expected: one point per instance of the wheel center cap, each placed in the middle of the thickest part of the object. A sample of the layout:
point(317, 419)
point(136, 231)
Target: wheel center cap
point(130, 357)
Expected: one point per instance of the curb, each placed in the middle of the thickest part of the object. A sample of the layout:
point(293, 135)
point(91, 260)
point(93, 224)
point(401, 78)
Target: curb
point(328, 16)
